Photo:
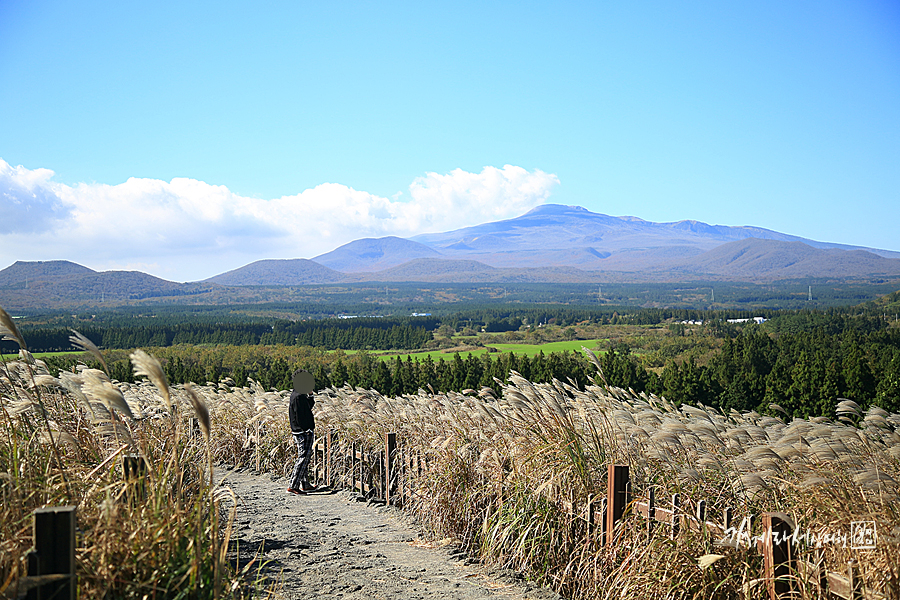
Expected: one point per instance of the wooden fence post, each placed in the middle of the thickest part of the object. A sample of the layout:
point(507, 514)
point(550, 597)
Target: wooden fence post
point(727, 518)
point(390, 450)
point(134, 468)
point(856, 582)
point(257, 442)
point(353, 466)
point(53, 552)
point(401, 475)
point(329, 445)
point(317, 465)
point(778, 556)
point(820, 573)
point(377, 475)
point(604, 510)
point(701, 514)
point(676, 516)
point(617, 498)
point(651, 511)
point(589, 509)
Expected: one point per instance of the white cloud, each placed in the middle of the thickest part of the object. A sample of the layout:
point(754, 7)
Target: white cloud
point(27, 204)
point(460, 199)
point(193, 230)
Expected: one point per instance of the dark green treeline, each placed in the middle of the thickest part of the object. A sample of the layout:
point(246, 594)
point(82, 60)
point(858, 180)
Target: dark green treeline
point(347, 334)
point(272, 368)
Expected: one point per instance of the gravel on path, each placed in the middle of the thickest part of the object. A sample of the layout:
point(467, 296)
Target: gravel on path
point(330, 545)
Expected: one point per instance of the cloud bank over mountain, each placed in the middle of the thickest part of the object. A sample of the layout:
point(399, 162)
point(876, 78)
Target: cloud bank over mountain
point(187, 229)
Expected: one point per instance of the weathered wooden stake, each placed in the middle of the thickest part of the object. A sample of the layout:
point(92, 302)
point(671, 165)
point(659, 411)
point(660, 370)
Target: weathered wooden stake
point(778, 556)
point(134, 468)
point(820, 572)
point(390, 450)
point(701, 514)
point(651, 511)
point(330, 439)
point(604, 511)
point(381, 462)
point(676, 515)
point(617, 498)
point(856, 582)
point(727, 518)
point(257, 441)
point(53, 552)
point(589, 509)
point(353, 466)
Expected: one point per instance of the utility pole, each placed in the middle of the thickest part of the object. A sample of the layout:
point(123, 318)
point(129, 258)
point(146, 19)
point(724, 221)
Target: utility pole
point(810, 294)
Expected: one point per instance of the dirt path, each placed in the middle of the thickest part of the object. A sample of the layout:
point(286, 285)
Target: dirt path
point(332, 546)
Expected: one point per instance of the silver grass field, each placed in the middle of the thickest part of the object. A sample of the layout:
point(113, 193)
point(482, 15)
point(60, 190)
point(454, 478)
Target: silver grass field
point(502, 475)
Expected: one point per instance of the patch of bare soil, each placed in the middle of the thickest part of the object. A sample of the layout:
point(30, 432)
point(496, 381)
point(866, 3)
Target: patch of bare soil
point(331, 545)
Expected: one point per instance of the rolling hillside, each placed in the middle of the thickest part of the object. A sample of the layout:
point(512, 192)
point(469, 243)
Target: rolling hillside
point(549, 244)
point(298, 271)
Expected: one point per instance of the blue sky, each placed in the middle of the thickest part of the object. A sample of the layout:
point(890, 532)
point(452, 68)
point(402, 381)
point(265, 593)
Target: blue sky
point(187, 139)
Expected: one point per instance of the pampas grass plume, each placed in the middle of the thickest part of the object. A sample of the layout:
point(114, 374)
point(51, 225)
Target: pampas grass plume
point(200, 409)
point(97, 386)
point(9, 331)
point(147, 365)
point(708, 560)
point(80, 341)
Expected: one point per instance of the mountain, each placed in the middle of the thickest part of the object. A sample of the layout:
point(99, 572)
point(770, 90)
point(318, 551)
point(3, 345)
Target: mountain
point(56, 283)
point(431, 270)
point(22, 272)
point(549, 244)
point(374, 254)
point(549, 230)
point(297, 271)
point(590, 246)
point(755, 259)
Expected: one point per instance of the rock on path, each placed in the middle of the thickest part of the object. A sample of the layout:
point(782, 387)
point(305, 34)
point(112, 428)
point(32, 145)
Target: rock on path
point(332, 546)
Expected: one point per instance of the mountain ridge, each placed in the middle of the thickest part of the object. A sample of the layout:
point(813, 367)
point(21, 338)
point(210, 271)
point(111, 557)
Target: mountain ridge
point(549, 244)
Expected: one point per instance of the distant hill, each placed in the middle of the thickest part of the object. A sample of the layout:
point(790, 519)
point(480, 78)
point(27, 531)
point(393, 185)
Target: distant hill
point(554, 226)
point(553, 235)
point(52, 284)
point(297, 271)
point(22, 272)
point(435, 270)
point(374, 254)
point(889, 304)
point(755, 259)
point(549, 244)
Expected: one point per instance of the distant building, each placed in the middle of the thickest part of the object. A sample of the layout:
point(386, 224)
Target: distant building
point(757, 320)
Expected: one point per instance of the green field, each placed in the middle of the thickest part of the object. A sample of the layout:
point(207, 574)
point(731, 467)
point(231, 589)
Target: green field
point(521, 349)
point(48, 354)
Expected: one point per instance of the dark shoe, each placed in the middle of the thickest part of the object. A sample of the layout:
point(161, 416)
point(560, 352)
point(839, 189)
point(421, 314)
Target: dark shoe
point(296, 491)
point(309, 488)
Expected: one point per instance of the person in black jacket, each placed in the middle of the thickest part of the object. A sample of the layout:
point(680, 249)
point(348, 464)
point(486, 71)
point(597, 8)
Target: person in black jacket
point(302, 427)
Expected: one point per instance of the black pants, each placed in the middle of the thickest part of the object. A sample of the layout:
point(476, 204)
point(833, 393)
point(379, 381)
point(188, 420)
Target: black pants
point(300, 476)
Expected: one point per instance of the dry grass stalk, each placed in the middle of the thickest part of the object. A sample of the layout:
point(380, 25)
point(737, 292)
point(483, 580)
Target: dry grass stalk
point(9, 331)
point(80, 341)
